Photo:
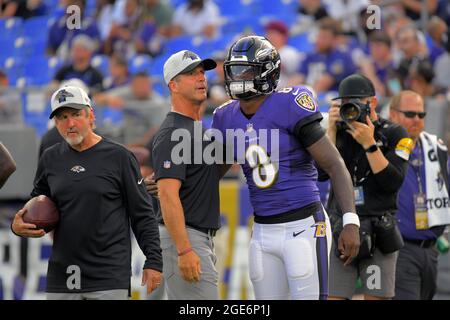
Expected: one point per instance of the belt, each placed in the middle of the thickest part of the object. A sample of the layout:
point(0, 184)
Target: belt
point(210, 232)
point(422, 243)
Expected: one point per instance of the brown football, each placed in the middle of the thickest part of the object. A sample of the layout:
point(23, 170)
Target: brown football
point(42, 212)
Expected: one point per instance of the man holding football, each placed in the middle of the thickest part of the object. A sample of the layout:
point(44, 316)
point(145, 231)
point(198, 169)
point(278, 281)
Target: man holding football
point(99, 192)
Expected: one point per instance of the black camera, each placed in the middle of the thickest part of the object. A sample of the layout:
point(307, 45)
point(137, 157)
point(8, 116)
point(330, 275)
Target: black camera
point(387, 234)
point(353, 110)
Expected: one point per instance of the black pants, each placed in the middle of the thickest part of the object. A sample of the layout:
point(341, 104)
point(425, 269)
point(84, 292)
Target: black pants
point(416, 273)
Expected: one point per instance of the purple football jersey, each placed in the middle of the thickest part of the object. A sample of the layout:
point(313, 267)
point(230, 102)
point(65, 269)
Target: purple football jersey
point(280, 173)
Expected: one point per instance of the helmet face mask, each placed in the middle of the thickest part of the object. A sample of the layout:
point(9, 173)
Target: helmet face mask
point(252, 68)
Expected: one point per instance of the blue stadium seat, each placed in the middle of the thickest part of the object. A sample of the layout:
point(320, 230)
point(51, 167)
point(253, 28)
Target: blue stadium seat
point(157, 65)
point(36, 71)
point(108, 116)
point(101, 62)
point(177, 3)
point(139, 63)
point(277, 7)
point(160, 86)
point(40, 70)
point(35, 46)
point(301, 42)
point(240, 23)
point(12, 46)
point(13, 66)
point(10, 27)
point(179, 43)
point(234, 7)
point(37, 27)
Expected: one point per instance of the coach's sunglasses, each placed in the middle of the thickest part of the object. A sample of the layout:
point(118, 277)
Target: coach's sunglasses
point(412, 114)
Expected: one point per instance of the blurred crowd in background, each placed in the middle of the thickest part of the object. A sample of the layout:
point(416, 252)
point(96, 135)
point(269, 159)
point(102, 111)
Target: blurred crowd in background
point(118, 48)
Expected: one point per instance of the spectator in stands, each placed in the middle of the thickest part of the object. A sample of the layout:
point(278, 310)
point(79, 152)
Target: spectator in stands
point(61, 37)
point(147, 40)
point(413, 8)
point(437, 31)
point(348, 12)
point(420, 79)
point(122, 33)
point(10, 103)
point(119, 75)
point(412, 47)
point(379, 65)
point(104, 17)
point(442, 66)
point(416, 272)
point(22, 8)
point(160, 13)
point(278, 34)
point(80, 68)
point(155, 27)
point(394, 21)
point(196, 18)
point(309, 13)
point(144, 109)
point(324, 68)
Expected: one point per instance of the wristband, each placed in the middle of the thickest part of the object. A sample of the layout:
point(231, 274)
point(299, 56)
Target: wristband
point(371, 149)
point(350, 218)
point(182, 253)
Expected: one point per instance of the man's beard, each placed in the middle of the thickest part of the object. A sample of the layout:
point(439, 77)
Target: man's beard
point(74, 141)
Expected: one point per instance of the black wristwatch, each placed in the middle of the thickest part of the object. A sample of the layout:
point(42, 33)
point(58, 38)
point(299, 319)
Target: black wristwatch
point(371, 149)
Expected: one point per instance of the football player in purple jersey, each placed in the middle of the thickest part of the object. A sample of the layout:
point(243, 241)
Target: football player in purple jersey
point(291, 239)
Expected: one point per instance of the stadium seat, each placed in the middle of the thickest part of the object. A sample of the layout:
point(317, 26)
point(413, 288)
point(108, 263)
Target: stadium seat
point(13, 66)
point(277, 7)
point(157, 65)
point(232, 7)
point(37, 27)
point(160, 86)
point(10, 27)
point(179, 43)
point(101, 62)
point(301, 42)
point(139, 63)
point(242, 24)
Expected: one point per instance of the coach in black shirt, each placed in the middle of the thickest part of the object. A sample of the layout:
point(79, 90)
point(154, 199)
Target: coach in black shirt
point(188, 189)
point(98, 189)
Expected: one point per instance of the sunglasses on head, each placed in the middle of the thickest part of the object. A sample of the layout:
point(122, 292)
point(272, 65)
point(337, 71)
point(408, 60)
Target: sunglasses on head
point(412, 114)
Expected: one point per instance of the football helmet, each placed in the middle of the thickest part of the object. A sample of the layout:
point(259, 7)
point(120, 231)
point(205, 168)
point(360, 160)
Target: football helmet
point(252, 68)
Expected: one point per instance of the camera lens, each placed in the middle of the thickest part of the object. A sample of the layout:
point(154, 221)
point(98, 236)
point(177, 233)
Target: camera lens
point(350, 112)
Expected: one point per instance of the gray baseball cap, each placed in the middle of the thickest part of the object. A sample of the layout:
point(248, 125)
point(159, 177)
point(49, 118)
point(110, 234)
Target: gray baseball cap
point(70, 97)
point(184, 61)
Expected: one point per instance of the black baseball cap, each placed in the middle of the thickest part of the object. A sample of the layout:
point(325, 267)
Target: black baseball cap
point(355, 86)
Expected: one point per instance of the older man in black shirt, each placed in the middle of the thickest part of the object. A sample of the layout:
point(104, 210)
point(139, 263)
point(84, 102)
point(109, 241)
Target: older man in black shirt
point(98, 189)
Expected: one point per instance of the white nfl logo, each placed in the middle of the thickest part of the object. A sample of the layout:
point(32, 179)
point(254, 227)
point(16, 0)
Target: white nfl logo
point(166, 164)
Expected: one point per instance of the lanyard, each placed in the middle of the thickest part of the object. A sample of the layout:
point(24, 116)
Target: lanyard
point(355, 170)
point(416, 164)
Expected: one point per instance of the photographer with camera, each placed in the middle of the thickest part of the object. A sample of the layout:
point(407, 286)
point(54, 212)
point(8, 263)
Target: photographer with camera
point(376, 154)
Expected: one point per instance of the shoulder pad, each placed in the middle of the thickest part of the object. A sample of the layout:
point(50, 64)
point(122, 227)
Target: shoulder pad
point(223, 105)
